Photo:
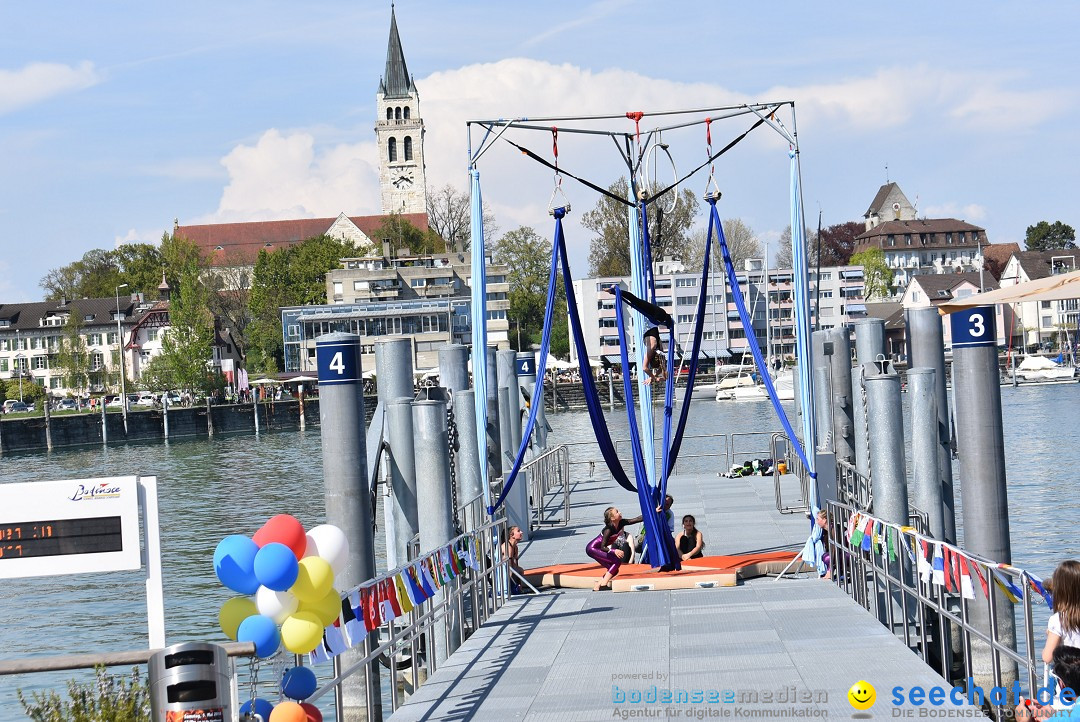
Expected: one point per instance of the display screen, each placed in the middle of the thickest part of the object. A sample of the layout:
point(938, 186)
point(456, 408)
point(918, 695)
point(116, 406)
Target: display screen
point(60, 537)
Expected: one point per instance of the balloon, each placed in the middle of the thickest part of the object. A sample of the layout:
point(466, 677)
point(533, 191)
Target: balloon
point(327, 609)
point(234, 563)
point(288, 712)
point(330, 543)
point(314, 580)
point(283, 529)
point(298, 683)
point(276, 605)
point(263, 632)
point(313, 713)
point(301, 633)
point(262, 708)
point(276, 567)
point(233, 612)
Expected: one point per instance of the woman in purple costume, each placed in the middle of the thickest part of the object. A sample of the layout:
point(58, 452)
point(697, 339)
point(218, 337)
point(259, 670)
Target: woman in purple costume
point(604, 548)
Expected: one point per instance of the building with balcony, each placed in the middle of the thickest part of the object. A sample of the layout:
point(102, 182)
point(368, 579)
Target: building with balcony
point(1041, 323)
point(426, 298)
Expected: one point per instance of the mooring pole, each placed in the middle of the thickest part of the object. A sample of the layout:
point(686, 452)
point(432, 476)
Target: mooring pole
point(517, 501)
point(348, 495)
point(925, 481)
point(926, 349)
point(401, 464)
point(869, 344)
point(434, 506)
point(887, 467)
point(494, 435)
point(467, 459)
point(454, 368)
point(981, 444)
point(843, 422)
point(394, 370)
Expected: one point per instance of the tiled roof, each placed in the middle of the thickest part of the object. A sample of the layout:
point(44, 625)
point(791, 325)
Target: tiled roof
point(892, 312)
point(931, 283)
point(240, 243)
point(879, 199)
point(27, 316)
point(996, 256)
point(1036, 264)
point(917, 226)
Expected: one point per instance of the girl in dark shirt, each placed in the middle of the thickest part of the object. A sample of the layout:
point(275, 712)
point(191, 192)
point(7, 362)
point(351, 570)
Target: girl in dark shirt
point(689, 540)
point(604, 548)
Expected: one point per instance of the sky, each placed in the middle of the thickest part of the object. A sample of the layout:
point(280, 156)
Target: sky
point(117, 118)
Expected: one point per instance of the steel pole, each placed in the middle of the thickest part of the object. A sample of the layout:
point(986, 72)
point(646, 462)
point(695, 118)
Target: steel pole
point(869, 339)
point(402, 467)
point(494, 435)
point(348, 497)
point(394, 371)
point(926, 349)
point(843, 421)
point(470, 485)
point(925, 483)
point(454, 367)
point(434, 505)
point(887, 468)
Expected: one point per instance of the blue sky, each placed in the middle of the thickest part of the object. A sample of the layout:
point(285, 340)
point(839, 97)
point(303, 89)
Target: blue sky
point(117, 117)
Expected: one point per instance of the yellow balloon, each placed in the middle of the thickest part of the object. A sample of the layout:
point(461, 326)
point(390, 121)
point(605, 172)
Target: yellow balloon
point(327, 609)
point(315, 579)
point(233, 612)
point(302, 632)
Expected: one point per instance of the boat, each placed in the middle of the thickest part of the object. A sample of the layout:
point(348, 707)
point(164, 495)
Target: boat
point(1041, 369)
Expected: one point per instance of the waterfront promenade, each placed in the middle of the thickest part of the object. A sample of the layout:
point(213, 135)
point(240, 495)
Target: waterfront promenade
point(778, 649)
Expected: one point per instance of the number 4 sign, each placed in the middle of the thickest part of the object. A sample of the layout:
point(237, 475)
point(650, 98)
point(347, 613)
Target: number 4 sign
point(338, 359)
point(973, 327)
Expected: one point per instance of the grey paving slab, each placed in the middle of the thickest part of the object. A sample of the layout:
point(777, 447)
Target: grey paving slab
point(568, 655)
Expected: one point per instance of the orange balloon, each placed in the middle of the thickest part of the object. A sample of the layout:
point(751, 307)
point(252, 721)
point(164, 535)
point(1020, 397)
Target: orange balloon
point(313, 713)
point(288, 712)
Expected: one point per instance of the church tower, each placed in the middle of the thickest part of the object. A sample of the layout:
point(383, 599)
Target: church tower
point(400, 134)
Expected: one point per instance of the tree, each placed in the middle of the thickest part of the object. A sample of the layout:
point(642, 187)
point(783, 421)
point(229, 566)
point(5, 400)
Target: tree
point(73, 357)
point(450, 217)
point(877, 275)
point(1045, 236)
point(783, 254)
point(609, 249)
point(527, 256)
point(187, 347)
point(99, 272)
point(838, 242)
point(404, 235)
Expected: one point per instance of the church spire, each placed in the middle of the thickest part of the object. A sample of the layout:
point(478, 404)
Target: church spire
point(396, 81)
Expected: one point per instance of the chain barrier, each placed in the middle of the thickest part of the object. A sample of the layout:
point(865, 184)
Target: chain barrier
point(453, 444)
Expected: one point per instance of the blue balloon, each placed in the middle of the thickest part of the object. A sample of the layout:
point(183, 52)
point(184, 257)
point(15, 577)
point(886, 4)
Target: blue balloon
point(298, 683)
point(261, 630)
point(262, 708)
point(276, 567)
point(234, 563)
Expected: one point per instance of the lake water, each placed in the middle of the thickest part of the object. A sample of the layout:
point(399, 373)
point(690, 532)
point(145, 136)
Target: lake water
point(209, 489)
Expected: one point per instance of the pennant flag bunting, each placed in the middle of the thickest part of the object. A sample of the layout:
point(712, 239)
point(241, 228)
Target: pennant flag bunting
point(939, 565)
point(966, 587)
point(947, 553)
point(1038, 586)
point(982, 581)
point(925, 568)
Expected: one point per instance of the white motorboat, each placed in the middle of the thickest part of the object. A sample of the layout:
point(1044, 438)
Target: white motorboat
point(1042, 369)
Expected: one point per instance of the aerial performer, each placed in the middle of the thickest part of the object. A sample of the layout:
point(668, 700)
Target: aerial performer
point(655, 317)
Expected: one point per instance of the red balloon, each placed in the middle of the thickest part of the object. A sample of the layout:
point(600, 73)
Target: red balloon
point(283, 529)
point(313, 713)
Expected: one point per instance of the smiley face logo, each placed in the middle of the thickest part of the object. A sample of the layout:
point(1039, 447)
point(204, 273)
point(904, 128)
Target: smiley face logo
point(862, 695)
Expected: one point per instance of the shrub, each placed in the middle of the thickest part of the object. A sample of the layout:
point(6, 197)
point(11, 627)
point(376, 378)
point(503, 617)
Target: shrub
point(107, 699)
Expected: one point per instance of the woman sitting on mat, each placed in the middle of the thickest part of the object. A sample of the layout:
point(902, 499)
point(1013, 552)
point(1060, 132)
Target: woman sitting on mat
point(655, 366)
point(610, 549)
point(689, 541)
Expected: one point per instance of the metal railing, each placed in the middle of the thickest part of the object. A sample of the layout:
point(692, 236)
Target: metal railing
point(407, 645)
point(936, 621)
point(780, 447)
point(548, 476)
point(852, 487)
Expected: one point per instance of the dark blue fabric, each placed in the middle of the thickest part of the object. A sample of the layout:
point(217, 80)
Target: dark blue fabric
point(655, 524)
point(751, 339)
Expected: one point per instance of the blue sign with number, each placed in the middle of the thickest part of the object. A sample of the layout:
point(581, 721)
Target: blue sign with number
point(973, 327)
point(339, 363)
point(525, 366)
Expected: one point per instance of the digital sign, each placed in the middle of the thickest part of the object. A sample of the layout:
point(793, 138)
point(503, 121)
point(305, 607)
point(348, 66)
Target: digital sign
point(69, 527)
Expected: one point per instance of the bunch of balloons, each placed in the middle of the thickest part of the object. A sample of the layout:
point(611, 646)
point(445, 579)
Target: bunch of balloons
point(287, 578)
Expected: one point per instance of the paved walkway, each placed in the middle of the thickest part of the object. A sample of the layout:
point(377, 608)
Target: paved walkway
point(765, 649)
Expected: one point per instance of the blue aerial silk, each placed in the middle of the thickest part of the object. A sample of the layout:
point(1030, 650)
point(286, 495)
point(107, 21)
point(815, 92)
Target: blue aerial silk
point(751, 338)
point(802, 325)
point(479, 330)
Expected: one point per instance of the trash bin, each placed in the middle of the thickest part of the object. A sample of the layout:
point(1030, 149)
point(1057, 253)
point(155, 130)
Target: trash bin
point(190, 682)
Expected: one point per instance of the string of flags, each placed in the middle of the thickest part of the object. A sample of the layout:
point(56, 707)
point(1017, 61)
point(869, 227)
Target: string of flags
point(379, 601)
point(938, 563)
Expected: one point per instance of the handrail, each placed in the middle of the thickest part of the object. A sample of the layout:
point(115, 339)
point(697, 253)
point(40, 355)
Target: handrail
point(547, 471)
point(106, 659)
point(925, 611)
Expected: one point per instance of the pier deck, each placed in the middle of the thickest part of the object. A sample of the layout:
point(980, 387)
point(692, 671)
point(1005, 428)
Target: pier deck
point(569, 655)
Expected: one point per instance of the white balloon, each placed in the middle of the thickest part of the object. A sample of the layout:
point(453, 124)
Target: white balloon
point(276, 605)
point(329, 542)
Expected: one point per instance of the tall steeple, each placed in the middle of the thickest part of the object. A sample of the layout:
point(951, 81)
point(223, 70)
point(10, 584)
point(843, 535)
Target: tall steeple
point(400, 133)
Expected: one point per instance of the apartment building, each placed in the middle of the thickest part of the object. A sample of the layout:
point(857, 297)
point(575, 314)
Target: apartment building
point(1042, 322)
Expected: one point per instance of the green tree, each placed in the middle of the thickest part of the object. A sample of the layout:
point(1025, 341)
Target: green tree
point(294, 276)
point(404, 235)
point(527, 256)
point(609, 249)
point(99, 272)
point(877, 275)
point(73, 356)
point(1045, 236)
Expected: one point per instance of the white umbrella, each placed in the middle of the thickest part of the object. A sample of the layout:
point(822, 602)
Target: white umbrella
point(1060, 287)
point(369, 374)
point(263, 382)
point(300, 379)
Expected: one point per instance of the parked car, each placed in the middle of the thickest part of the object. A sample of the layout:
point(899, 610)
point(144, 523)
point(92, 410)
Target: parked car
point(115, 402)
point(9, 403)
point(16, 408)
point(66, 405)
point(145, 399)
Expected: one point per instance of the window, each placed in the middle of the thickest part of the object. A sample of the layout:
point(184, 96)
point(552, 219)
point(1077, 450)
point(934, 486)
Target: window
point(294, 330)
point(54, 382)
point(907, 239)
point(405, 112)
point(686, 300)
point(609, 323)
point(144, 356)
point(389, 113)
point(892, 240)
point(5, 344)
point(53, 321)
point(89, 317)
point(685, 282)
point(151, 334)
point(915, 296)
point(391, 150)
point(408, 147)
point(113, 338)
point(826, 294)
point(38, 362)
point(496, 315)
point(36, 343)
point(948, 238)
point(825, 312)
point(93, 339)
point(3, 364)
point(663, 301)
point(685, 318)
point(397, 113)
point(1044, 304)
point(1047, 322)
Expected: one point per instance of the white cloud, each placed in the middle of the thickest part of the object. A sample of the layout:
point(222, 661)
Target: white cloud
point(153, 237)
point(951, 209)
point(38, 82)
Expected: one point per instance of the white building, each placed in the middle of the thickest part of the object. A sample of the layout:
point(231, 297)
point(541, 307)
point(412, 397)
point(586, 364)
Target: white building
point(1041, 322)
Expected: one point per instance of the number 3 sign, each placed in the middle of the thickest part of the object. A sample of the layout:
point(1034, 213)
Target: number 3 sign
point(973, 327)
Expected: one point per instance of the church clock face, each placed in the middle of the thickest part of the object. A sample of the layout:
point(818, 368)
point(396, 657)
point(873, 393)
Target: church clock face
point(403, 182)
